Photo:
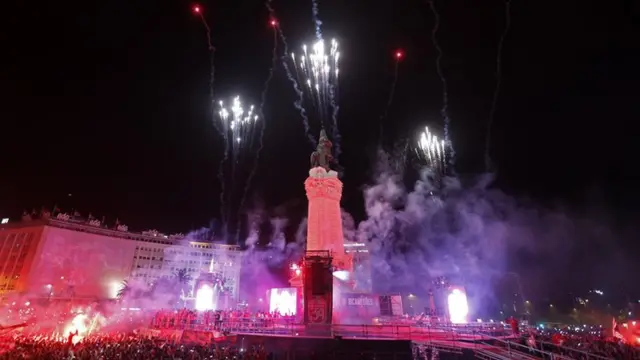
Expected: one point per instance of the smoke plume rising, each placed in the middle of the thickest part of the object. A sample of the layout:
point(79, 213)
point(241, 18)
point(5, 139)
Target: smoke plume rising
point(468, 232)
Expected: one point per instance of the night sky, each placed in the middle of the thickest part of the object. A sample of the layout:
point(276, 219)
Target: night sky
point(109, 102)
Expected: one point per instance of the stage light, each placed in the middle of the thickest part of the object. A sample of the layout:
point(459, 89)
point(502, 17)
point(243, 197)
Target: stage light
point(458, 306)
point(204, 298)
point(341, 275)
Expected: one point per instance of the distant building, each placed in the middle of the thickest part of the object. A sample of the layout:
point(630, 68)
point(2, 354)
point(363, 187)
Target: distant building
point(63, 258)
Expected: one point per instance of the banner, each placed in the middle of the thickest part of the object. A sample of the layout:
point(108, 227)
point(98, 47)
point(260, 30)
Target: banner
point(197, 337)
point(219, 337)
point(360, 300)
point(169, 334)
point(144, 332)
point(317, 310)
point(396, 305)
point(359, 307)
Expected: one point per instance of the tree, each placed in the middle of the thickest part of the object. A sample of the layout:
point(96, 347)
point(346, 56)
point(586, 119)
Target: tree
point(125, 290)
point(182, 278)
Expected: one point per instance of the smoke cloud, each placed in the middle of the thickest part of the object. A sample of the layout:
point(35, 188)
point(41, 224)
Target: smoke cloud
point(470, 233)
point(265, 266)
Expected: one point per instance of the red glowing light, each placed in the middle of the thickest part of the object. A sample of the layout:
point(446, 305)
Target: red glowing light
point(197, 9)
point(273, 22)
point(399, 54)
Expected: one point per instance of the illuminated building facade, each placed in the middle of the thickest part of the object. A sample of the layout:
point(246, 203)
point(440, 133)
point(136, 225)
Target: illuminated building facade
point(60, 258)
point(17, 250)
point(153, 262)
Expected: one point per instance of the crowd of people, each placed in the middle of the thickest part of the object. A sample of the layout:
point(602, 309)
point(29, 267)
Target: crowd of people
point(218, 320)
point(121, 347)
point(571, 342)
point(579, 344)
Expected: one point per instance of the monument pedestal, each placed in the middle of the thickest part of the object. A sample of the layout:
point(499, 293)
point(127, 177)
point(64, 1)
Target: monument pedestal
point(318, 288)
point(325, 241)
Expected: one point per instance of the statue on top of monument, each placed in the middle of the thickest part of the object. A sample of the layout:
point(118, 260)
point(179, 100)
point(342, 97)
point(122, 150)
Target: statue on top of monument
point(322, 156)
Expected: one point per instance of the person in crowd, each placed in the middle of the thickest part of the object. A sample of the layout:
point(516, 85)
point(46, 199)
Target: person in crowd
point(121, 347)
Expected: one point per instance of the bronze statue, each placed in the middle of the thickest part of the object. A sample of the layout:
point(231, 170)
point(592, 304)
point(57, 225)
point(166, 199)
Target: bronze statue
point(322, 156)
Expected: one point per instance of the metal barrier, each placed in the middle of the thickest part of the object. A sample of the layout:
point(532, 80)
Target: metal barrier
point(524, 351)
point(492, 329)
point(573, 351)
point(445, 337)
point(290, 328)
point(420, 349)
point(242, 326)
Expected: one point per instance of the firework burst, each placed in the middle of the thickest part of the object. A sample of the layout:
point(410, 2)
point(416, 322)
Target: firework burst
point(433, 151)
point(318, 70)
point(239, 124)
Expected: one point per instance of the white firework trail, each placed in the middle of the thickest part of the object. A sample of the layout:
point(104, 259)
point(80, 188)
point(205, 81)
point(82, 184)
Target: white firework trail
point(316, 18)
point(319, 71)
point(433, 151)
point(238, 125)
point(299, 102)
point(274, 62)
point(399, 54)
point(496, 92)
point(443, 79)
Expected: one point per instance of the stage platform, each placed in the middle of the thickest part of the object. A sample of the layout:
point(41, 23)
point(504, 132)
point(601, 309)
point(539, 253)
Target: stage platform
point(343, 341)
point(291, 348)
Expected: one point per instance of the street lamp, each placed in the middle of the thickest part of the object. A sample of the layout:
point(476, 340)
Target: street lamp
point(519, 283)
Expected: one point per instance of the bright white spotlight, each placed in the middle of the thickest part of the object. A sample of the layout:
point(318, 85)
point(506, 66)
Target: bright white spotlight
point(341, 275)
point(458, 306)
point(283, 301)
point(204, 298)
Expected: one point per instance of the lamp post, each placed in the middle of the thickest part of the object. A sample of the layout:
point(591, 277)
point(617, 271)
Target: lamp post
point(441, 284)
point(519, 284)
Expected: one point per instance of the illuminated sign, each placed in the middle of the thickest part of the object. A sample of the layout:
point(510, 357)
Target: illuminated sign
point(360, 301)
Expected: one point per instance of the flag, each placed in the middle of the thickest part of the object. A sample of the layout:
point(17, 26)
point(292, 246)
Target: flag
point(616, 330)
point(56, 209)
point(13, 326)
point(532, 340)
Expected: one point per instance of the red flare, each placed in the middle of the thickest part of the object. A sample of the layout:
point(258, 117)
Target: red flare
point(399, 54)
point(273, 22)
point(197, 9)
